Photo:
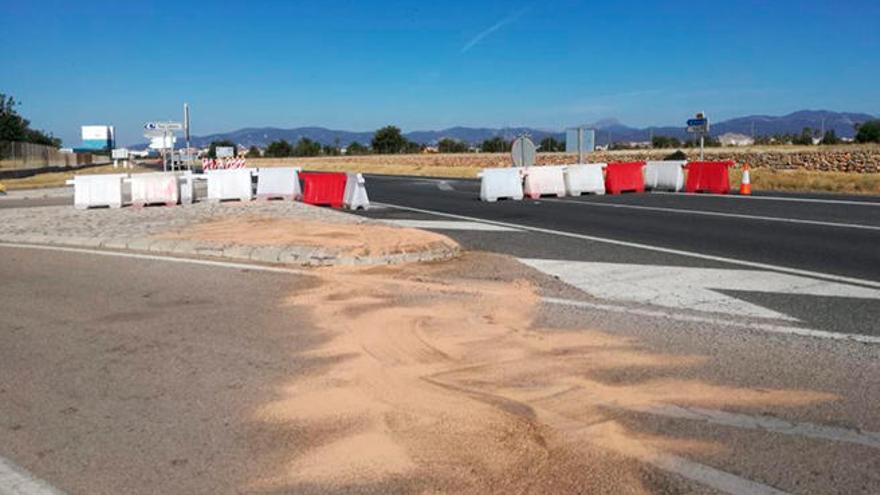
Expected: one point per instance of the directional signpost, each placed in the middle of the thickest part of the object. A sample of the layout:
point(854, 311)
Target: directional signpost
point(163, 132)
point(699, 125)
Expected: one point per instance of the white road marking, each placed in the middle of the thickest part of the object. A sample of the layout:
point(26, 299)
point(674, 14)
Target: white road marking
point(709, 476)
point(16, 481)
point(648, 247)
point(761, 327)
point(776, 198)
point(719, 214)
point(766, 423)
point(451, 225)
point(690, 288)
point(153, 257)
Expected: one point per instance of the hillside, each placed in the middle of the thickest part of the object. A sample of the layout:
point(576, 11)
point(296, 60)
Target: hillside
point(607, 130)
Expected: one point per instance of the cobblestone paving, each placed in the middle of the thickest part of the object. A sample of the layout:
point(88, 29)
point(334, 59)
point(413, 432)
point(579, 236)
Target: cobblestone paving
point(134, 228)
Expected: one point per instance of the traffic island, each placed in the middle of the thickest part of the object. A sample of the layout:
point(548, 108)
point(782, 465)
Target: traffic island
point(285, 232)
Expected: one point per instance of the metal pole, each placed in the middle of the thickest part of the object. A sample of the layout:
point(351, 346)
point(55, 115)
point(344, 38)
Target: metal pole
point(702, 135)
point(580, 145)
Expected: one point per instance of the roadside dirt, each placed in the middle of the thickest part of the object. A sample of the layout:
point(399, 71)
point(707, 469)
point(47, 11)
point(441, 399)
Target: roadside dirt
point(442, 382)
point(349, 239)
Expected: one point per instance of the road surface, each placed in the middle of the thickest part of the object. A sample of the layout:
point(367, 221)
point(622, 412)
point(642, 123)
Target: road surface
point(810, 260)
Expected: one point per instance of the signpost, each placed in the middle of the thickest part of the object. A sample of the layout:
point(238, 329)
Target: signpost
point(699, 125)
point(225, 151)
point(161, 135)
point(580, 140)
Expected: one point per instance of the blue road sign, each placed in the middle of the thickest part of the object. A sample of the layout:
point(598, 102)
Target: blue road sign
point(697, 122)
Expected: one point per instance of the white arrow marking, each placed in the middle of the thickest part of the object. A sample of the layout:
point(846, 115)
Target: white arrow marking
point(691, 288)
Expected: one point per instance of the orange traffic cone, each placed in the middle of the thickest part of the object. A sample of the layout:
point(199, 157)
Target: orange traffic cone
point(745, 187)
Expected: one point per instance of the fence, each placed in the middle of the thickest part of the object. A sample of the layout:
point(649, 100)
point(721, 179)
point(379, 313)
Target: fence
point(19, 155)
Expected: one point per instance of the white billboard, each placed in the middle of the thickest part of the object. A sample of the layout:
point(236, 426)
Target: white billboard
point(225, 151)
point(162, 142)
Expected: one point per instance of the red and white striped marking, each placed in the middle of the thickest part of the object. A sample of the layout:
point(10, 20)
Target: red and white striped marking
point(220, 164)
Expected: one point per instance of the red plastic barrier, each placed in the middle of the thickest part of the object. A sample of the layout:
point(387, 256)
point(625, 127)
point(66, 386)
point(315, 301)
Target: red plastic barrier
point(711, 177)
point(624, 176)
point(323, 188)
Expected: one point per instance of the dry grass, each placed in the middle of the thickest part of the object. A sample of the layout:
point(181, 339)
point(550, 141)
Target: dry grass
point(811, 181)
point(763, 179)
point(56, 179)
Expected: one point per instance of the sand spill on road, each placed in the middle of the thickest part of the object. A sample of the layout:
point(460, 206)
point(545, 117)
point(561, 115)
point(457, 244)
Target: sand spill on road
point(349, 239)
point(440, 382)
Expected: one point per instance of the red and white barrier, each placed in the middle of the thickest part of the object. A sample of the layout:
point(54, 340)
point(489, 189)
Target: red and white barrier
point(664, 175)
point(223, 164)
point(97, 190)
point(229, 184)
point(543, 181)
point(355, 192)
point(152, 188)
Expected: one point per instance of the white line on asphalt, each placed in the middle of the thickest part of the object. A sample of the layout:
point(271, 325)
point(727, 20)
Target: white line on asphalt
point(648, 247)
point(450, 225)
point(718, 214)
point(709, 476)
point(764, 423)
point(762, 327)
point(152, 257)
point(774, 198)
point(16, 481)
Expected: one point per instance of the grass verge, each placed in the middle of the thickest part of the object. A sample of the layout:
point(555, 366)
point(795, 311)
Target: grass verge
point(56, 179)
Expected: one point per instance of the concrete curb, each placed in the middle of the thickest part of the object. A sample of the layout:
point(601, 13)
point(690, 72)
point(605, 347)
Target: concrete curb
point(291, 255)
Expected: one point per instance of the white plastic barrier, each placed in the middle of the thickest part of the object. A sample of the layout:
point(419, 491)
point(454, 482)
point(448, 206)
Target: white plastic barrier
point(355, 195)
point(160, 187)
point(230, 184)
point(97, 190)
point(281, 182)
point(187, 188)
point(499, 183)
point(580, 179)
point(544, 180)
point(665, 175)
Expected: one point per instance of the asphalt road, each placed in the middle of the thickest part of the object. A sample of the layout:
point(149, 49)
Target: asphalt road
point(823, 239)
point(121, 375)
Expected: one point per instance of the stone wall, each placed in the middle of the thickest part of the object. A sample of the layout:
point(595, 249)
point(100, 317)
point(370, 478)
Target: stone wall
point(849, 158)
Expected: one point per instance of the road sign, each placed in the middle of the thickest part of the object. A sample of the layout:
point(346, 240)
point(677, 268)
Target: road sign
point(119, 154)
point(163, 126)
point(698, 125)
point(225, 151)
point(523, 152)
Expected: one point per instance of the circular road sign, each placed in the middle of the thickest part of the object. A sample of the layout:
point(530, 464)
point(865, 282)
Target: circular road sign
point(523, 152)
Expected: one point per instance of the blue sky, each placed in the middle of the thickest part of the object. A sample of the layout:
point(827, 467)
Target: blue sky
point(357, 65)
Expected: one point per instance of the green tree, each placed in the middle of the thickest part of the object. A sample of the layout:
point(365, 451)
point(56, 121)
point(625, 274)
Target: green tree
point(331, 150)
point(550, 144)
point(868, 132)
point(14, 127)
point(356, 148)
point(411, 147)
point(279, 149)
point(306, 147)
point(449, 145)
point(805, 138)
point(212, 148)
point(830, 137)
point(665, 142)
point(389, 140)
point(495, 145)
point(254, 152)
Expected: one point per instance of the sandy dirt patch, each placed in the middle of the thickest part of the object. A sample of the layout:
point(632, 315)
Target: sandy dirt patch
point(346, 239)
point(442, 382)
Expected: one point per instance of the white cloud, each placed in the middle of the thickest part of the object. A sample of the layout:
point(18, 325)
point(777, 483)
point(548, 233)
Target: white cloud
point(476, 40)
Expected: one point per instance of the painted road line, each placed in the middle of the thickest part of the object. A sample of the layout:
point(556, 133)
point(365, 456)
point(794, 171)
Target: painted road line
point(451, 225)
point(153, 257)
point(718, 214)
point(691, 288)
point(763, 423)
point(758, 327)
point(16, 481)
point(774, 198)
point(648, 247)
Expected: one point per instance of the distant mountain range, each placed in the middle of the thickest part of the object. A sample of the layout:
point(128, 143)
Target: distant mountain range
point(608, 130)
